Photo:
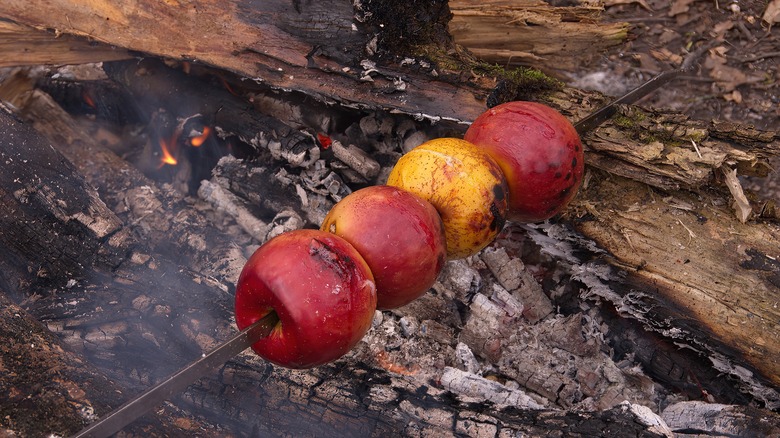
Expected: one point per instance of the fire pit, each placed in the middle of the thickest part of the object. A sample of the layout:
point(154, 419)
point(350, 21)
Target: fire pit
point(125, 241)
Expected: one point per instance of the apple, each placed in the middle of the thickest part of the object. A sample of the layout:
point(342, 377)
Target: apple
point(321, 289)
point(399, 235)
point(464, 184)
point(539, 152)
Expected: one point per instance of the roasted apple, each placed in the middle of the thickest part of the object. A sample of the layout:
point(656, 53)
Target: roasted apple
point(399, 235)
point(539, 152)
point(321, 289)
point(464, 184)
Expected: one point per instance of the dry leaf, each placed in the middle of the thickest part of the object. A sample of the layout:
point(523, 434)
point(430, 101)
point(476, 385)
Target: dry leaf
point(680, 7)
point(741, 205)
point(728, 78)
point(666, 55)
point(772, 12)
point(721, 28)
point(641, 3)
point(735, 96)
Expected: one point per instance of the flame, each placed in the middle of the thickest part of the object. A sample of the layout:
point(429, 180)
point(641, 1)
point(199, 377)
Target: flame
point(166, 147)
point(88, 99)
point(198, 140)
point(169, 147)
point(227, 86)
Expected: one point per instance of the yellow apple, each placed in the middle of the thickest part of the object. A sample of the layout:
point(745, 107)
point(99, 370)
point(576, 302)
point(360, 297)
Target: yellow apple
point(464, 184)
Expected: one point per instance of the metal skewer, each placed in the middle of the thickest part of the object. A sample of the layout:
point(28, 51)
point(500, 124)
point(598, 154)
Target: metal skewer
point(601, 115)
point(596, 118)
point(135, 408)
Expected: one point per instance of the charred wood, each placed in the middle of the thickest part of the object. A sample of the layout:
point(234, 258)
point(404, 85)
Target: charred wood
point(53, 223)
point(155, 216)
point(49, 389)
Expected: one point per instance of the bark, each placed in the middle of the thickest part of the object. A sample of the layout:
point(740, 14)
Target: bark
point(24, 45)
point(532, 33)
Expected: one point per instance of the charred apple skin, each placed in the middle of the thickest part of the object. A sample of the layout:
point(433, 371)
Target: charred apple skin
point(321, 289)
point(539, 152)
point(464, 184)
point(399, 235)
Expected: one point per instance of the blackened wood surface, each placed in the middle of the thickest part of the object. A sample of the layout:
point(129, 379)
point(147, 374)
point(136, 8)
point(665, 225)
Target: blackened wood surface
point(641, 234)
point(52, 222)
point(48, 389)
point(288, 45)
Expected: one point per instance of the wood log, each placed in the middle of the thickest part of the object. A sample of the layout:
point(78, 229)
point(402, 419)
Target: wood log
point(288, 45)
point(54, 224)
point(533, 33)
point(24, 45)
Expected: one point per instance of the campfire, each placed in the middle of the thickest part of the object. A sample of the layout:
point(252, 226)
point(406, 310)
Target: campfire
point(137, 185)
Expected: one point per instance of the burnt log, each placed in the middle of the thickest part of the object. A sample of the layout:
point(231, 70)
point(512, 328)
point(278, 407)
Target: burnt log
point(54, 223)
point(49, 389)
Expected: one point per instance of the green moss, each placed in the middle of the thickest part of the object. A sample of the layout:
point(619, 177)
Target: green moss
point(511, 83)
point(419, 28)
point(524, 78)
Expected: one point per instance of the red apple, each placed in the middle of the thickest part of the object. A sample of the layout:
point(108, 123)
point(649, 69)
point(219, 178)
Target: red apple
point(399, 235)
point(321, 289)
point(539, 152)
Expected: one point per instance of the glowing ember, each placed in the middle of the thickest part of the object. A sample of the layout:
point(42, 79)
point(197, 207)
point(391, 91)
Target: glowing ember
point(324, 140)
point(198, 140)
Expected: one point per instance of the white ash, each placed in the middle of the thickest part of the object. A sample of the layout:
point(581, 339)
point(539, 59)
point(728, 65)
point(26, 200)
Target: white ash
point(647, 417)
point(480, 388)
point(225, 201)
point(512, 275)
point(284, 221)
point(357, 159)
point(296, 159)
point(409, 326)
point(470, 326)
point(461, 278)
point(321, 179)
point(466, 359)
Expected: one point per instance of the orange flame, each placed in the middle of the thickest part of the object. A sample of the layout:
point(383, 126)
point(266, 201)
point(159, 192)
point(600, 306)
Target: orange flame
point(198, 140)
point(88, 99)
point(167, 156)
point(168, 148)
